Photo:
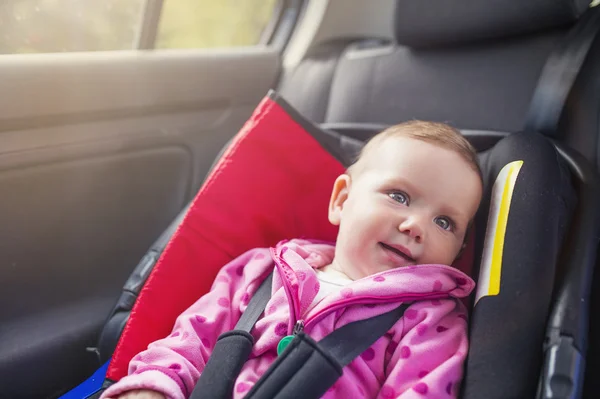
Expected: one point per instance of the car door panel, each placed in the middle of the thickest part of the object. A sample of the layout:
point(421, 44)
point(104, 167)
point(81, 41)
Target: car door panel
point(98, 153)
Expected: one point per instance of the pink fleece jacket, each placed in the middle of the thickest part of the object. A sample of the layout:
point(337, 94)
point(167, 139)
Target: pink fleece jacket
point(421, 356)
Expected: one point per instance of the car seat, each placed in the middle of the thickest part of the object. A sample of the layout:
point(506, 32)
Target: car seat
point(532, 263)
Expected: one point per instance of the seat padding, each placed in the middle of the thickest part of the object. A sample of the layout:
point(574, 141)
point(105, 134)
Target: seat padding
point(272, 183)
point(421, 24)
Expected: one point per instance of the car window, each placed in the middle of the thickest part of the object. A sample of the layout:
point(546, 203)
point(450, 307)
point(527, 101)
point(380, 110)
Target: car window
point(49, 26)
point(213, 23)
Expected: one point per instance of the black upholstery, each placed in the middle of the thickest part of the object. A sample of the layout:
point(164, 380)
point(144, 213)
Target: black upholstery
point(485, 85)
point(560, 73)
point(308, 85)
point(479, 86)
point(426, 24)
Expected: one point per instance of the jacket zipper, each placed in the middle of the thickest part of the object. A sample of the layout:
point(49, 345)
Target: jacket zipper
point(294, 311)
point(300, 324)
point(298, 327)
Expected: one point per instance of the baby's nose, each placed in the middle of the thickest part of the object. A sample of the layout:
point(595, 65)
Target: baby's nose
point(412, 227)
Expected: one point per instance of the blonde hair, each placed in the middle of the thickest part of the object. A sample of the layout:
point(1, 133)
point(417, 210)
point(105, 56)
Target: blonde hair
point(435, 133)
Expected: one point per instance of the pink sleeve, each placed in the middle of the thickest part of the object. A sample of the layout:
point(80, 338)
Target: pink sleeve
point(428, 359)
point(173, 364)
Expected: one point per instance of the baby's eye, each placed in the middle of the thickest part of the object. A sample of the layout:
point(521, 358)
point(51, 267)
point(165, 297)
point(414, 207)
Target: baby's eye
point(444, 223)
point(400, 197)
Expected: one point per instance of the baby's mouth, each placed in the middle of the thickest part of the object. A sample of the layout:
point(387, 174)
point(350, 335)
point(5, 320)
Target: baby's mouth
point(398, 252)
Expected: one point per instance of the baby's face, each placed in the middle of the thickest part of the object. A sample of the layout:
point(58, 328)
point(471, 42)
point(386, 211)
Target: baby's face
point(407, 202)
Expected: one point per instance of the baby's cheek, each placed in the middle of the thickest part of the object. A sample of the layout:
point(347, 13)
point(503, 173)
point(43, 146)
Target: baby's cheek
point(369, 225)
point(347, 248)
point(347, 238)
point(441, 252)
point(352, 247)
point(454, 251)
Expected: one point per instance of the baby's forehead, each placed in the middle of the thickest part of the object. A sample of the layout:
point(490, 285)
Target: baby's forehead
point(381, 147)
point(381, 143)
point(418, 163)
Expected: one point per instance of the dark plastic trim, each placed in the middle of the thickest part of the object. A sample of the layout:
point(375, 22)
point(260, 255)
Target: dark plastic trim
point(279, 30)
point(119, 315)
point(563, 371)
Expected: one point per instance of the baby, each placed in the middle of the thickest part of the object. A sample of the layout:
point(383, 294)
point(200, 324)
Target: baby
point(403, 211)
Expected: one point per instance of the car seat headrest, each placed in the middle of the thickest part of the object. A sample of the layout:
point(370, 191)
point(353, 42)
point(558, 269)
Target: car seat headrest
point(427, 24)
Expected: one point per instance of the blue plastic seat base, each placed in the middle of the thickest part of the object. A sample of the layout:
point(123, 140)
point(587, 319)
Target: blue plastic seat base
point(90, 386)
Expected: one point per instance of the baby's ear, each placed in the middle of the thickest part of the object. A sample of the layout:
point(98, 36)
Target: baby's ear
point(339, 195)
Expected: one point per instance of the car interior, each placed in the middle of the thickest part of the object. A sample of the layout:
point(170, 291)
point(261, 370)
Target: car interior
point(101, 153)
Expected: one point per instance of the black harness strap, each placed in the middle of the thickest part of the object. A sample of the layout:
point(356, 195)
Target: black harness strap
point(348, 342)
point(256, 306)
point(307, 369)
point(232, 350)
point(559, 74)
point(336, 351)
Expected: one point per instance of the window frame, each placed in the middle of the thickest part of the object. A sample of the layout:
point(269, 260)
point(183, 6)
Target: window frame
point(276, 34)
point(279, 30)
point(148, 27)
